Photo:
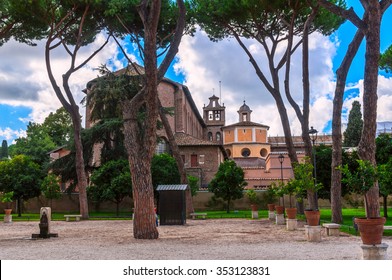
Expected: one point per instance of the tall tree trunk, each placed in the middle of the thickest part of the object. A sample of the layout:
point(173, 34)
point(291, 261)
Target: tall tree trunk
point(336, 175)
point(140, 134)
point(79, 163)
point(139, 157)
point(71, 107)
point(304, 118)
point(367, 144)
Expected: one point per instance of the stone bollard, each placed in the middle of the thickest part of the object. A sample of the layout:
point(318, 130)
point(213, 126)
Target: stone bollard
point(374, 252)
point(313, 233)
point(280, 219)
point(255, 214)
point(271, 215)
point(291, 224)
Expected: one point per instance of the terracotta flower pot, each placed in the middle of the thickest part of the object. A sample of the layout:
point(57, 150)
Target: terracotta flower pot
point(279, 209)
point(371, 229)
point(253, 207)
point(291, 213)
point(271, 207)
point(8, 211)
point(312, 217)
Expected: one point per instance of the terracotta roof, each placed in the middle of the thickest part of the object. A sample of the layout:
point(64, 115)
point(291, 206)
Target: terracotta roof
point(280, 140)
point(183, 139)
point(246, 124)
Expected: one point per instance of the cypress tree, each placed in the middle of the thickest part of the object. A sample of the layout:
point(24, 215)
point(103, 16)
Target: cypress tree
point(353, 132)
point(4, 150)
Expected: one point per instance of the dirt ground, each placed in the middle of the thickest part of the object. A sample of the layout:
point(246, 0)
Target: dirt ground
point(198, 239)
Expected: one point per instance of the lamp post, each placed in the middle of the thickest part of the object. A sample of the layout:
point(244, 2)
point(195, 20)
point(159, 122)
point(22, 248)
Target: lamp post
point(281, 159)
point(313, 136)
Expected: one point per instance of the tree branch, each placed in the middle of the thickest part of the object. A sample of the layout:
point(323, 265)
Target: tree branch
point(346, 14)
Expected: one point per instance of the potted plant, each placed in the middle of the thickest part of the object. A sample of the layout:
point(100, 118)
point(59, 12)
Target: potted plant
point(7, 198)
point(361, 181)
point(290, 189)
point(304, 182)
point(270, 198)
point(254, 200)
point(278, 188)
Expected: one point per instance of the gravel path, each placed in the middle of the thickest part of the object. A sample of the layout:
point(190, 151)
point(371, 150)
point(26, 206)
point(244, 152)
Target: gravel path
point(199, 239)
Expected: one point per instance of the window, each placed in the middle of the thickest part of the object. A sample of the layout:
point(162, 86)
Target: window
point(217, 115)
point(245, 152)
point(210, 136)
point(228, 152)
point(244, 118)
point(193, 160)
point(218, 136)
point(210, 115)
point(162, 147)
point(263, 152)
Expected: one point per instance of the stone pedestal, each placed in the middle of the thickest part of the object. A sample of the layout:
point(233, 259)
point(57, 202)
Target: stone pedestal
point(374, 252)
point(271, 215)
point(8, 219)
point(291, 224)
point(280, 219)
point(255, 214)
point(313, 233)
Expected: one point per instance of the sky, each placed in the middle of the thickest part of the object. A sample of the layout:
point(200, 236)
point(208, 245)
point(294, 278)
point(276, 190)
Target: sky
point(206, 68)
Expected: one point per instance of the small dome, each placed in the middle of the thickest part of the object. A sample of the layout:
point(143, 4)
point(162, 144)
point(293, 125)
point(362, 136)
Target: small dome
point(244, 107)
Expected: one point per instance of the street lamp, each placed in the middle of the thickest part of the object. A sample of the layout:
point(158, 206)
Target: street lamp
point(281, 159)
point(313, 137)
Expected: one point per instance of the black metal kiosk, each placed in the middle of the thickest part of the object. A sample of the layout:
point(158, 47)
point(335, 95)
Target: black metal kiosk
point(172, 204)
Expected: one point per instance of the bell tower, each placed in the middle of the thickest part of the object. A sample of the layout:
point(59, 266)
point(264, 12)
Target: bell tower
point(214, 118)
point(244, 113)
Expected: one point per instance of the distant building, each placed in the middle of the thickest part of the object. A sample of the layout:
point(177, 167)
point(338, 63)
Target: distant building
point(205, 142)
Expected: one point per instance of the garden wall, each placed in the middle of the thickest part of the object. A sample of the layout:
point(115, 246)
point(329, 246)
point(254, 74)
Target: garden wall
point(202, 201)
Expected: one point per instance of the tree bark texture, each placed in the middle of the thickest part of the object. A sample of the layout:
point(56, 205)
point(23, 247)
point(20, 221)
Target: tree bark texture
point(336, 175)
point(79, 163)
point(367, 144)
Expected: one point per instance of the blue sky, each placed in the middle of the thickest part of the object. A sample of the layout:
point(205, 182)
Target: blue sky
point(26, 95)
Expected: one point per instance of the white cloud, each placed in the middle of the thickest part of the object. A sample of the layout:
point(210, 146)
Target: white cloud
point(205, 63)
point(9, 134)
point(24, 80)
point(384, 102)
